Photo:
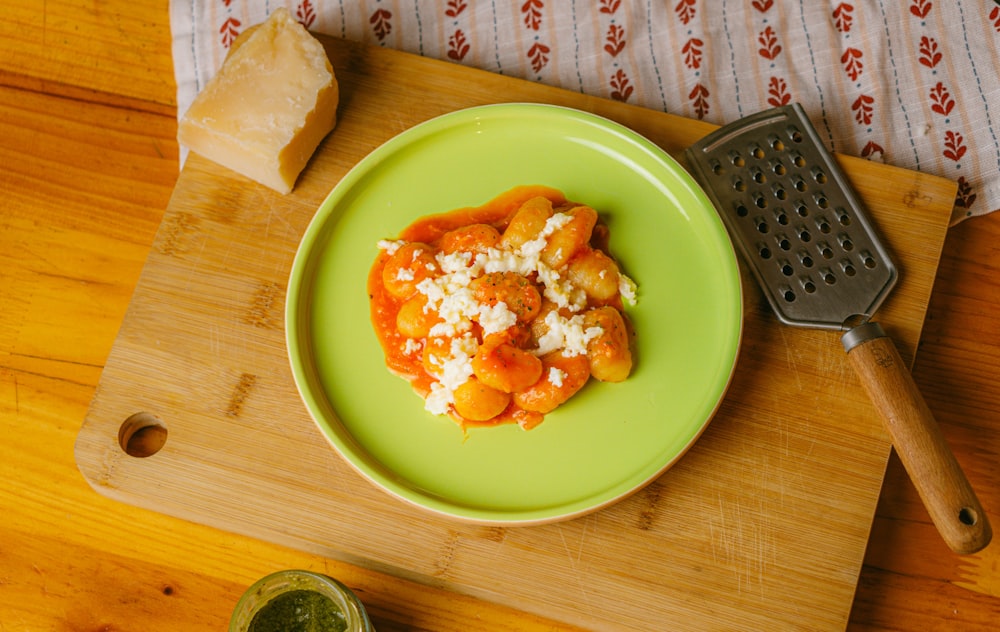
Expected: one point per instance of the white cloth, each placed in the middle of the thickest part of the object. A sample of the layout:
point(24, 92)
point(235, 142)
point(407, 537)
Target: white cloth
point(906, 82)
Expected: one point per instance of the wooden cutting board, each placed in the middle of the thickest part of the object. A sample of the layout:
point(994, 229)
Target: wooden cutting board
point(762, 525)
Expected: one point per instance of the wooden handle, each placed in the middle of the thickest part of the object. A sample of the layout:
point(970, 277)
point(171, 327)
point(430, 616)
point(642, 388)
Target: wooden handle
point(943, 487)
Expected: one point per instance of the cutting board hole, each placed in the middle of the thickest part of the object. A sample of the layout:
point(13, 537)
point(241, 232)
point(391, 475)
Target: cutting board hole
point(968, 516)
point(142, 435)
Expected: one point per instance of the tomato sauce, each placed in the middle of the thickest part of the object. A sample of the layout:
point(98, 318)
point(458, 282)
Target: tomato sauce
point(407, 362)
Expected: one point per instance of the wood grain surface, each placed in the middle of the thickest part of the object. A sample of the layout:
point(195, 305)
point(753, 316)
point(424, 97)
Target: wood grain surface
point(784, 482)
point(88, 165)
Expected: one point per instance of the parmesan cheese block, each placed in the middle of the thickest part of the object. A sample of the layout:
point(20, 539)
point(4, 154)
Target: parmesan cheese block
point(269, 106)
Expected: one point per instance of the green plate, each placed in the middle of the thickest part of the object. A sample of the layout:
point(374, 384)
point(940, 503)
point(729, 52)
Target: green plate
point(610, 439)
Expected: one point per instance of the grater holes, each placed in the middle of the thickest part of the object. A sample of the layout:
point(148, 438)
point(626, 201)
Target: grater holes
point(786, 205)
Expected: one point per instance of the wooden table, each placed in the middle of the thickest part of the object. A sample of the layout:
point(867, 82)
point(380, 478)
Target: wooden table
point(88, 160)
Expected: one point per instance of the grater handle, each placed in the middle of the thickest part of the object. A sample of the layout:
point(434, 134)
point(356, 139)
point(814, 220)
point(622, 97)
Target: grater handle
point(918, 440)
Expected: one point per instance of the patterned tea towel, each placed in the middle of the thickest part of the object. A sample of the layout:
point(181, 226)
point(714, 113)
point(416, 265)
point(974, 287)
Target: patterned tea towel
point(913, 83)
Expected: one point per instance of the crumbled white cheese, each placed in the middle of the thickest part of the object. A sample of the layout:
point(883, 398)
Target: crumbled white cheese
point(405, 274)
point(567, 334)
point(454, 262)
point(439, 400)
point(455, 371)
point(412, 346)
point(390, 246)
point(458, 367)
point(526, 261)
point(496, 319)
point(535, 247)
point(448, 330)
point(556, 376)
point(450, 296)
point(627, 288)
point(559, 290)
point(457, 307)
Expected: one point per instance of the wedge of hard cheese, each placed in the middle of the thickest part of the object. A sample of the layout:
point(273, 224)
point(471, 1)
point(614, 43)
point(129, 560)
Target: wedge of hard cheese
point(269, 106)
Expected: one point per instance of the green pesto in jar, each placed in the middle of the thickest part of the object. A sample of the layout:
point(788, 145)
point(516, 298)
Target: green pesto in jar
point(299, 611)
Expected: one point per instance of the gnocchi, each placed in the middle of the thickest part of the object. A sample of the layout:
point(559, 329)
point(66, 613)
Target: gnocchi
point(501, 313)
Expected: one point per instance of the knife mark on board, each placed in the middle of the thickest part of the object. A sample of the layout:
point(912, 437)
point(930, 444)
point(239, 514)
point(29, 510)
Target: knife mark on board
point(174, 233)
point(261, 313)
point(647, 514)
point(447, 555)
point(240, 394)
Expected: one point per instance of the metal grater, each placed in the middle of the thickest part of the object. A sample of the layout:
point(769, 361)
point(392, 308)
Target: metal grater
point(794, 216)
point(819, 261)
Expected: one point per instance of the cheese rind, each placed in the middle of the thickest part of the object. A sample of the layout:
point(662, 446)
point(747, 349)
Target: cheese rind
point(269, 106)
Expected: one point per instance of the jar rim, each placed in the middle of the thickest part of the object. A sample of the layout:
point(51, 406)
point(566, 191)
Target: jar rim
point(267, 588)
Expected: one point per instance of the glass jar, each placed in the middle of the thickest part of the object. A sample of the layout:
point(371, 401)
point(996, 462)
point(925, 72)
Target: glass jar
point(299, 600)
